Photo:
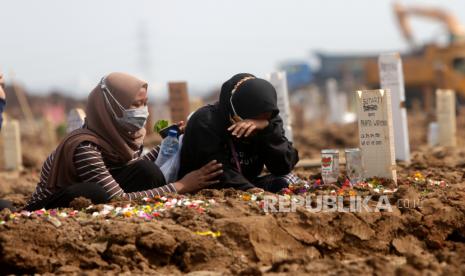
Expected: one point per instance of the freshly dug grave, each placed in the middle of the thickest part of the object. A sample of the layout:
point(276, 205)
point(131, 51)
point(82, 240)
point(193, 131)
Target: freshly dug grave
point(235, 235)
point(428, 237)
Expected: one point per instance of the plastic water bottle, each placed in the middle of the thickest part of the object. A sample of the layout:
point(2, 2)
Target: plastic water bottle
point(169, 147)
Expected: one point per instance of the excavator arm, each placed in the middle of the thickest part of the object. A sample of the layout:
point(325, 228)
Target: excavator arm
point(455, 30)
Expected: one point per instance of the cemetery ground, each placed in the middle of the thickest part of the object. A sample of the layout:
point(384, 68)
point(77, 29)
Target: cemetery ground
point(227, 231)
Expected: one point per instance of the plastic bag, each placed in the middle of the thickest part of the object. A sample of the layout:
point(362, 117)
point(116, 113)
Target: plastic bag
point(170, 167)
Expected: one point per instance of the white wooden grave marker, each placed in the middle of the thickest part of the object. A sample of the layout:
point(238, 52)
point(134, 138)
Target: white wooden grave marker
point(445, 113)
point(376, 133)
point(76, 118)
point(12, 145)
point(279, 81)
point(433, 134)
point(179, 101)
point(392, 78)
point(313, 112)
point(334, 100)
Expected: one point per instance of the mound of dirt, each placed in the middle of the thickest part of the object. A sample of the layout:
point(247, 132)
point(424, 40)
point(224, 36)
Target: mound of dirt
point(427, 238)
point(424, 233)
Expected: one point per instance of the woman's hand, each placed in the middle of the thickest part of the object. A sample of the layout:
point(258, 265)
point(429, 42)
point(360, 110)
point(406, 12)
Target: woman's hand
point(182, 126)
point(247, 127)
point(200, 178)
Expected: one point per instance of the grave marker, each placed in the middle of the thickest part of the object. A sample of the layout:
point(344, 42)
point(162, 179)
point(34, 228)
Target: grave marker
point(392, 78)
point(279, 81)
point(337, 102)
point(376, 133)
point(49, 133)
point(179, 101)
point(433, 134)
point(12, 145)
point(76, 119)
point(445, 112)
point(314, 111)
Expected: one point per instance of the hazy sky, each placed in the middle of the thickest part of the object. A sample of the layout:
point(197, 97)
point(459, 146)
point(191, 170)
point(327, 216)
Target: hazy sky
point(71, 44)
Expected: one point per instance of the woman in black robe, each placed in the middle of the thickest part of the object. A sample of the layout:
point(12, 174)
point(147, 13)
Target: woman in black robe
point(244, 132)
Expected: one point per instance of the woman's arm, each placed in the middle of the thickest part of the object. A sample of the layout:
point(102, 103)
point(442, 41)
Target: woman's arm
point(279, 155)
point(90, 168)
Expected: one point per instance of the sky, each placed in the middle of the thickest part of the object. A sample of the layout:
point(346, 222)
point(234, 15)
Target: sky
point(70, 45)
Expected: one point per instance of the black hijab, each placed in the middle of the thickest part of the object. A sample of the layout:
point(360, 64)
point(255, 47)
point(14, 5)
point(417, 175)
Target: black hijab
point(252, 98)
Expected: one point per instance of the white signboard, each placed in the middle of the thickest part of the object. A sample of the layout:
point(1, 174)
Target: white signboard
point(376, 133)
point(279, 81)
point(392, 78)
point(445, 113)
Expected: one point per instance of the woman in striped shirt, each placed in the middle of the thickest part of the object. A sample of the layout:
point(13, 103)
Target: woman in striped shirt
point(103, 159)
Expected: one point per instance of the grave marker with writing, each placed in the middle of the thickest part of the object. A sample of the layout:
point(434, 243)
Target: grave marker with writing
point(376, 133)
point(179, 101)
point(392, 78)
point(445, 112)
point(12, 145)
point(279, 81)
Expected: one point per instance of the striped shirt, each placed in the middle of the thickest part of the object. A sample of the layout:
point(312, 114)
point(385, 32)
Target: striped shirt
point(91, 167)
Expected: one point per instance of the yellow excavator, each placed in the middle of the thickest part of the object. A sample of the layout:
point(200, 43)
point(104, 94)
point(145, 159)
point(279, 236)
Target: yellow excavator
point(456, 31)
point(432, 65)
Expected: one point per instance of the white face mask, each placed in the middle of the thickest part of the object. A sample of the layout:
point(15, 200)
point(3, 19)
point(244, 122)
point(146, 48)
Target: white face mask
point(136, 117)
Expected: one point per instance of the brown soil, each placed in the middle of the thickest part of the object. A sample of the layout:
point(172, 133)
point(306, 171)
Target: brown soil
point(424, 239)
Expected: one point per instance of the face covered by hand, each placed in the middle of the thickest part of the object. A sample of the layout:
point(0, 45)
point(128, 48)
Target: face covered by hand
point(135, 118)
point(249, 104)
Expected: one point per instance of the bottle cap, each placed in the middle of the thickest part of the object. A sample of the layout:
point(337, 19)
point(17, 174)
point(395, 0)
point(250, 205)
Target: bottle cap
point(172, 133)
